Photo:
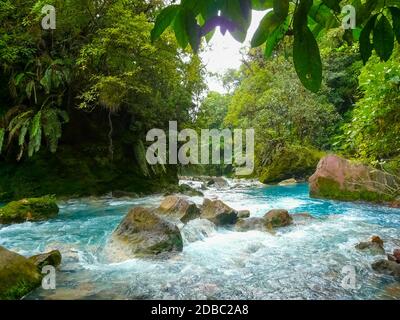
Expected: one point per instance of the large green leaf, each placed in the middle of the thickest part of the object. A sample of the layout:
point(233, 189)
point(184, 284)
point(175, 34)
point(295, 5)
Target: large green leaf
point(261, 5)
point(281, 8)
point(163, 21)
point(365, 39)
point(275, 37)
point(307, 59)
point(321, 14)
point(268, 24)
point(300, 16)
point(396, 21)
point(383, 38)
point(180, 28)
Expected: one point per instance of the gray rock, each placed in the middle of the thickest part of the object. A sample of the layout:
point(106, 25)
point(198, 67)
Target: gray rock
point(249, 224)
point(180, 208)
point(242, 214)
point(218, 212)
point(143, 233)
point(387, 267)
point(278, 218)
point(52, 258)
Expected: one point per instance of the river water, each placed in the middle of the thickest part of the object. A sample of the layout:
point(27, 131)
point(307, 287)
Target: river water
point(305, 261)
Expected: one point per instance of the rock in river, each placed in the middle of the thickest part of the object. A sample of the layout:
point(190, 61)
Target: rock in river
point(341, 179)
point(33, 209)
point(218, 212)
point(249, 224)
point(18, 275)
point(52, 258)
point(387, 267)
point(278, 218)
point(374, 246)
point(180, 208)
point(143, 233)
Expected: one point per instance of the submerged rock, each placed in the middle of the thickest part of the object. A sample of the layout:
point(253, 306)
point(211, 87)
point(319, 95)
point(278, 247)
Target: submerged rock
point(302, 218)
point(249, 224)
point(143, 233)
point(197, 230)
point(341, 179)
point(278, 218)
point(52, 258)
point(242, 214)
point(288, 182)
point(387, 267)
point(374, 246)
point(33, 209)
point(218, 182)
point(218, 212)
point(18, 275)
point(179, 208)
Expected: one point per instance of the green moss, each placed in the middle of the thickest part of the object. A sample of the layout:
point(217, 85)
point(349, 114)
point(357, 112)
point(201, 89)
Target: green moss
point(33, 209)
point(328, 188)
point(292, 162)
point(18, 275)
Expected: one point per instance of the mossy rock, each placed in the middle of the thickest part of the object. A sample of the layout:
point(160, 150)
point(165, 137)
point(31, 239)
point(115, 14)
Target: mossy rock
point(18, 275)
point(296, 162)
point(33, 209)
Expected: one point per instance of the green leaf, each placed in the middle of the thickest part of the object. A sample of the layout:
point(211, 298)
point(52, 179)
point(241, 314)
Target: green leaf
point(239, 12)
point(333, 4)
point(307, 59)
point(383, 38)
point(323, 15)
point(396, 21)
point(365, 39)
point(268, 24)
point(193, 30)
point(300, 16)
point(180, 28)
point(163, 21)
point(275, 37)
point(261, 5)
point(281, 8)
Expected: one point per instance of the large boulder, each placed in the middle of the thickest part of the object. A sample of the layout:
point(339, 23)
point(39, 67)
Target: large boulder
point(143, 233)
point(218, 212)
point(277, 218)
point(34, 209)
point(341, 179)
point(180, 208)
point(52, 258)
point(218, 182)
point(374, 246)
point(18, 275)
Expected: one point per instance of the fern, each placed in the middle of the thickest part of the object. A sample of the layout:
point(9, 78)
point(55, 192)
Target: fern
point(35, 134)
point(29, 128)
point(2, 134)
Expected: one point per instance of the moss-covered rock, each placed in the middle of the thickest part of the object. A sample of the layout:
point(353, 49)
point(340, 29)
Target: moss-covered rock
point(294, 162)
point(277, 218)
point(34, 209)
point(341, 179)
point(18, 275)
point(52, 258)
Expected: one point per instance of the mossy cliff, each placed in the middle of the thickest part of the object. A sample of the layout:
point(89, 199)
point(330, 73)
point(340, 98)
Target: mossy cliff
point(292, 162)
point(83, 164)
